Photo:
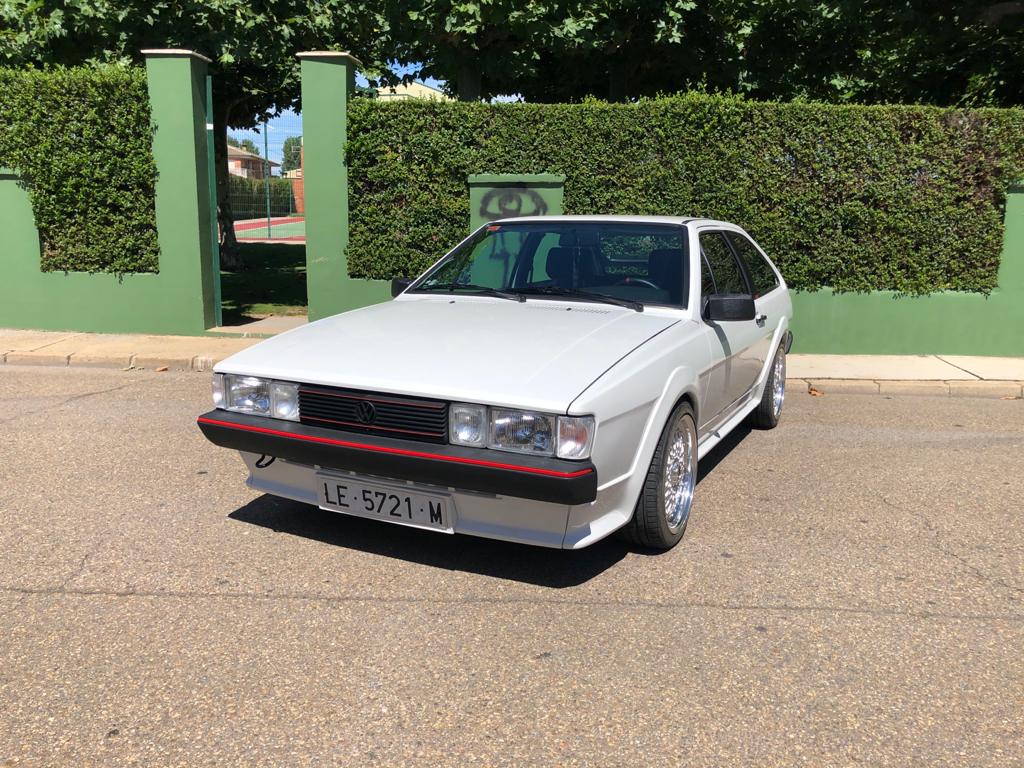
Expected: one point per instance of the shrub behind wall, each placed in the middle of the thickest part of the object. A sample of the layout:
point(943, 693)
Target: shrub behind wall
point(81, 141)
point(249, 197)
point(856, 198)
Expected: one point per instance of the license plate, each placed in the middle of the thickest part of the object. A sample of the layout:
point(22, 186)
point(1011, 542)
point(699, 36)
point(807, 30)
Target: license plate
point(396, 504)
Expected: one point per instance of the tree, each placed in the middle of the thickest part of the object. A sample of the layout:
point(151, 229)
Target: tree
point(472, 46)
point(247, 144)
point(871, 51)
point(550, 50)
point(252, 45)
point(292, 151)
point(918, 51)
point(623, 50)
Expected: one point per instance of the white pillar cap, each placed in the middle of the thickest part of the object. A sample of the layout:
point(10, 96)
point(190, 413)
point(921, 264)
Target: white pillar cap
point(174, 52)
point(330, 55)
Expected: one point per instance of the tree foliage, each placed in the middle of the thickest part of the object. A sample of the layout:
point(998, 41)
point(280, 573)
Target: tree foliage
point(911, 51)
point(292, 151)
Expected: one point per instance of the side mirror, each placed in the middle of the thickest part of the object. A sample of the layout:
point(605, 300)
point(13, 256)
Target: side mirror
point(399, 284)
point(727, 307)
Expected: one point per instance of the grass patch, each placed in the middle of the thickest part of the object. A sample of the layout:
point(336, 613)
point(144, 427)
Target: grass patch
point(273, 283)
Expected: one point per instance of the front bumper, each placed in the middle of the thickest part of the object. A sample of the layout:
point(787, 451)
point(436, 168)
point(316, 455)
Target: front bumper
point(473, 469)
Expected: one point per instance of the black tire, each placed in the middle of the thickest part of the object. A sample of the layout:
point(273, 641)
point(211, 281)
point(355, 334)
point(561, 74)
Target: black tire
point(767, 413)
point(650, 525)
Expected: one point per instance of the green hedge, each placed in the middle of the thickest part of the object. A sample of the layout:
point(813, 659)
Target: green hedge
point(857, 198)
point(249, 197)
point(81, 141)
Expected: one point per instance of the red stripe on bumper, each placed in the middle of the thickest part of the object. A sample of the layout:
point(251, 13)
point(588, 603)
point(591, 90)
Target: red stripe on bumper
point(396, 451)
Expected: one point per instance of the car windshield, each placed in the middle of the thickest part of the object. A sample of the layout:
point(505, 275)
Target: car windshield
point(614, 262)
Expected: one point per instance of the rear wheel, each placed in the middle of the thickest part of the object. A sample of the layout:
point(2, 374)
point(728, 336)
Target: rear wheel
point(663, 509)
point(767, 413)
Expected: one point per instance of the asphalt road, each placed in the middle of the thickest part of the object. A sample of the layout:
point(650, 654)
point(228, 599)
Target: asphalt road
point(849, 592)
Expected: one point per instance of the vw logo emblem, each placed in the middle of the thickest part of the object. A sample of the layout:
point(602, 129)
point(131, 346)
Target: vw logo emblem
point(365, 412)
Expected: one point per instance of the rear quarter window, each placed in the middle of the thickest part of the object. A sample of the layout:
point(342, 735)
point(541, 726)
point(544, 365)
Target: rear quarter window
point(761, 273)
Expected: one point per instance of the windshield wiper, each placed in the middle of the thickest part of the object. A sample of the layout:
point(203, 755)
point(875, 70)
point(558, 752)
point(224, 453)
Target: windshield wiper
point(482, 289)
point(554, 290)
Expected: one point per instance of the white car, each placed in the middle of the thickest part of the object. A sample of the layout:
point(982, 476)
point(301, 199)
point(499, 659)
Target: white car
point(549, 381)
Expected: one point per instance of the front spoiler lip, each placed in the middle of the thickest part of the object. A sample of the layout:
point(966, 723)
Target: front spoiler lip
point(473, 469)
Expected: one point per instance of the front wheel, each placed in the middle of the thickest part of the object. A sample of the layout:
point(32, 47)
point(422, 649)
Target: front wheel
point(663, 508)
point(766, 415)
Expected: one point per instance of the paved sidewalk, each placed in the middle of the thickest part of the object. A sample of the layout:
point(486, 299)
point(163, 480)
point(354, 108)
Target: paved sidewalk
point(941, 375)
point(103, 350)
point(944, 375)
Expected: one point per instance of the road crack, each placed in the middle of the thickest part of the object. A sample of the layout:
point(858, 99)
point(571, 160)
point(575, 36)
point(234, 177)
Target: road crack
point(501, 601)
point(63, 402)
point(76, 572)
point(937, 545)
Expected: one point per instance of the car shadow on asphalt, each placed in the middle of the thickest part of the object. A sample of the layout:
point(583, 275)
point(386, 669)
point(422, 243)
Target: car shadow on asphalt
point(553, 568)
point(717, 454)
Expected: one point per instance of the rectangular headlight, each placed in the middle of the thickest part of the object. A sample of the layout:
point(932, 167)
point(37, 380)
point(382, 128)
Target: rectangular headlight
point(522, 432)
point(284, 400)
point(467, 425)
point(247, 394)
point(575, 437)
point(256, 396)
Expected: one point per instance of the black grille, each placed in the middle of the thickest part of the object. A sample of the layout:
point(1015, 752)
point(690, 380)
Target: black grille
point(372, 413)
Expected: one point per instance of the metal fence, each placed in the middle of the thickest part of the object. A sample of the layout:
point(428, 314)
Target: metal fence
point(266, 209)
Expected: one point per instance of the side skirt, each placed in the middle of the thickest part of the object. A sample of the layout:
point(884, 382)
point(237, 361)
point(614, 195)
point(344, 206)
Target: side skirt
point(714, 437)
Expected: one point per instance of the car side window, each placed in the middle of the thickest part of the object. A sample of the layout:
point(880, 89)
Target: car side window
point(725, 270)
point(761, 273)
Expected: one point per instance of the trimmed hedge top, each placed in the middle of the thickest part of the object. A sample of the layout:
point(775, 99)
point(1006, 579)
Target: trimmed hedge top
point(81, 141)
point(856, 198)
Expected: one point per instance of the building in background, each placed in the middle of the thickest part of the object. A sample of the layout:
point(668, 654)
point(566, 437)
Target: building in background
point(247, 165)
point(410, 91)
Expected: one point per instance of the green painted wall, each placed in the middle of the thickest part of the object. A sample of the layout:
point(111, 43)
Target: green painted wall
point(942, 323)
point(180, 299)
point(328, 79)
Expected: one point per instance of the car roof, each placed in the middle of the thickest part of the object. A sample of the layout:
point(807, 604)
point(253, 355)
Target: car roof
point(597, 218)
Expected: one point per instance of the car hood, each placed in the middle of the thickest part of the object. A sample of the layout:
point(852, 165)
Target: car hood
point(534, 354)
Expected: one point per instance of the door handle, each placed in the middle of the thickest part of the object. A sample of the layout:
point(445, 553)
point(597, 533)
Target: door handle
point(760, 320)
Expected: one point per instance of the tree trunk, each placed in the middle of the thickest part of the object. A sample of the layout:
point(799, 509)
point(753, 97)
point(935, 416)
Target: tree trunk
point(468, 80)
point(230, 256)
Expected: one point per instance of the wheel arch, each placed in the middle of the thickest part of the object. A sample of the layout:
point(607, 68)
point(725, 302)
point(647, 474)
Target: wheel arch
point(688, 396)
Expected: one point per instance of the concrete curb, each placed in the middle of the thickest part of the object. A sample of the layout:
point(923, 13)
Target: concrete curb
point(998, 390)
point(886, 375)
point(120, 362)
point(153, 361)
point(121, 351)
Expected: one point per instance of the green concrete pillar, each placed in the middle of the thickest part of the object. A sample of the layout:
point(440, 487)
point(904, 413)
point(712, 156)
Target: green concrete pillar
point(504, 196)
point(328, 79)
point(1011, 263)
point(177, 94)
